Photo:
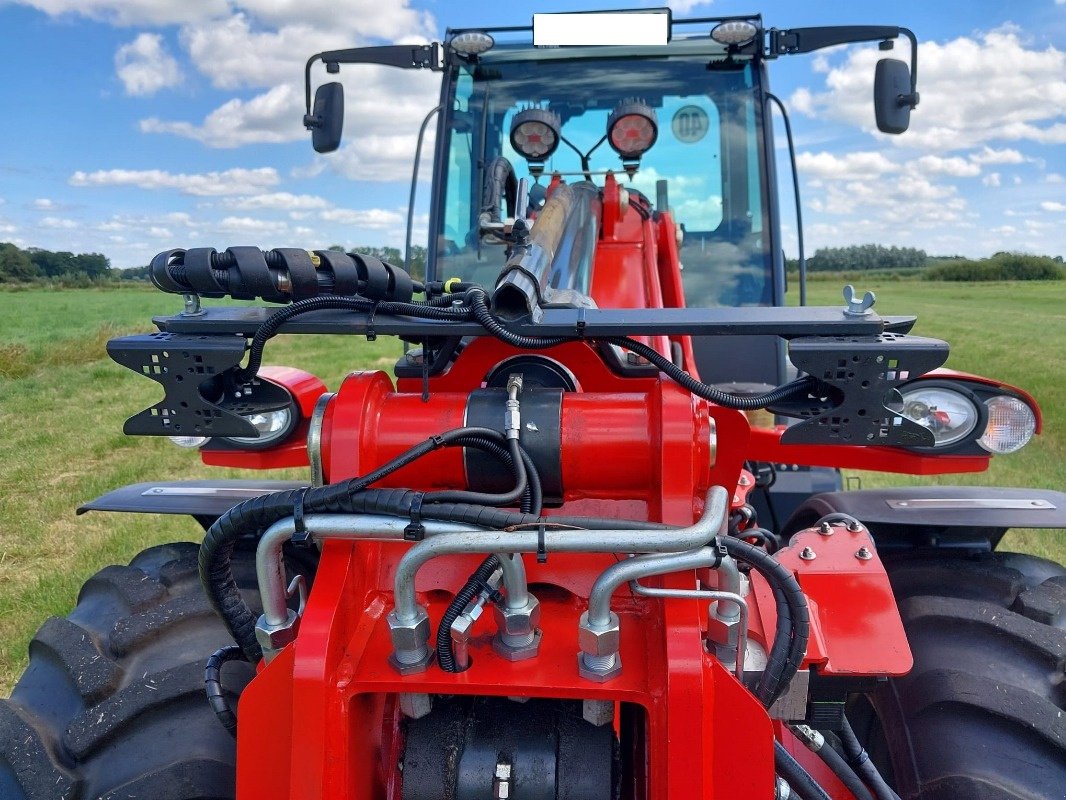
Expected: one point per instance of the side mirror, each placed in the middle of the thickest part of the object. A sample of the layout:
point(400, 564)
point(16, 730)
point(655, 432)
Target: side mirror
point(893, 98)
point(326, 120)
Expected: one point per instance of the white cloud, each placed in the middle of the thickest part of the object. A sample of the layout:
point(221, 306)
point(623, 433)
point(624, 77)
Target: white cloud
point(680, 7)
point(144, 66)
point(954, 166)
point(372, 218)
point(58, 223)
point(987, 155)
point(284, 201)
point(272, 117)
point(1051, 205)
point(134, 12)
point(44, 204)
point(974, 90)
point(991, 179)
point(207, 184)
point(859, 165)
point(1053, 177)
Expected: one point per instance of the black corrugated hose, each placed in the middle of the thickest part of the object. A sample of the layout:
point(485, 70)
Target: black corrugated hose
point(213, 685)
point(473, 586)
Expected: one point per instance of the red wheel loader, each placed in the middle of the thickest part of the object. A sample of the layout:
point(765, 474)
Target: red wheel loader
point(588, 541)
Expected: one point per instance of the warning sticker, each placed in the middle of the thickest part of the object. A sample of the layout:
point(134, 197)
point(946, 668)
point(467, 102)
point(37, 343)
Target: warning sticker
point(690, 124)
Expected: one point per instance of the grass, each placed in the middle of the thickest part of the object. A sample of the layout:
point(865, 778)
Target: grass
point(62, 405)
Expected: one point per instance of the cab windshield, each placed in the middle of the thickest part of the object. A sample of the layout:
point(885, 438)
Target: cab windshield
point(706, 165)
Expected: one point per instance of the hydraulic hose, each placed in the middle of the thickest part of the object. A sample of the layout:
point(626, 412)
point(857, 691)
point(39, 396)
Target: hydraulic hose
point(273, 323)
point(793, 619)
point(860, 759)
point(845, 773)
point(470, 590)
point(805, 787)
point(213, 685)
point(490, 323)
point(740, 402)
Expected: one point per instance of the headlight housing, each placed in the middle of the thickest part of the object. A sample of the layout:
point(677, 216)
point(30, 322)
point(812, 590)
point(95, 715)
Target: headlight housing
point(970, 416)
point(273, 426)
point(1011, 424)
point(949, 415)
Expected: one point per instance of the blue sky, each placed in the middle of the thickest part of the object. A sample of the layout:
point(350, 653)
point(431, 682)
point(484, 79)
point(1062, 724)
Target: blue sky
point(131, 126)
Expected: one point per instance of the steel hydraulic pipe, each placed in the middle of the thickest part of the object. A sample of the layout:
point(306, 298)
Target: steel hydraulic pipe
point(676, 540)
point(514, 579)
point(270, 570)
point(641, 567)
point(705, 594)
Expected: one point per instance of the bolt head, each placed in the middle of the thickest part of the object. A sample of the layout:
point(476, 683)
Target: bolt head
point(599, 642)
point(807, 554)
point(825, 529)
point(864, 554)
point(409, 635)
point(855, 526)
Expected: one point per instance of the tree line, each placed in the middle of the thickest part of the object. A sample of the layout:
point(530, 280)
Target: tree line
point(863, 257)
point(34, 263)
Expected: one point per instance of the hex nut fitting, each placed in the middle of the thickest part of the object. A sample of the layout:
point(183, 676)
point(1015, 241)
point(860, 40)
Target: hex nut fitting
point(275, 637)
point(409, 635)
point(596, 674)
point(517, 621)
point(599, 641)
point(414, 668)
point(520, 653)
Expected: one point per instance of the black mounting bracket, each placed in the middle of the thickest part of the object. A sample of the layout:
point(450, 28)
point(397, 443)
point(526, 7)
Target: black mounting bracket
point(196, 372)
point(859, 377)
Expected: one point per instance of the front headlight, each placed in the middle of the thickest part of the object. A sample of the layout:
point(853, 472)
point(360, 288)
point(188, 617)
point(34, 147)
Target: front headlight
point(273, 426)
point(949, 415)
point(1011, 424)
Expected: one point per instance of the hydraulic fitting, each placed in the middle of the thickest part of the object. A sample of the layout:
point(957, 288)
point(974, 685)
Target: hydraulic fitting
point(273, 638)
point(512, 423)
point(517, 635)
point(410, 642)
point(598, 659)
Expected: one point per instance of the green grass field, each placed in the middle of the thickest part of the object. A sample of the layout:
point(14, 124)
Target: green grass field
point(62, 405)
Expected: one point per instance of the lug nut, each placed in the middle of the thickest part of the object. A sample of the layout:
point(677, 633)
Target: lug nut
point(864, 554)
point(825, 529)
point(855, 526)
point(807, 554)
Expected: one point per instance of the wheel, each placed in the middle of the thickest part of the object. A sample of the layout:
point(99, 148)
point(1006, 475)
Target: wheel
point(112, 703)
point(981, 715)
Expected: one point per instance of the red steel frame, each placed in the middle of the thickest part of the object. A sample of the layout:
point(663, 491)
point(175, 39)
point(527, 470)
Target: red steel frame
point(322, 719)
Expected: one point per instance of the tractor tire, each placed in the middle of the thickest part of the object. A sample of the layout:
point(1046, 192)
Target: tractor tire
point(981, 715)
point(112, 704)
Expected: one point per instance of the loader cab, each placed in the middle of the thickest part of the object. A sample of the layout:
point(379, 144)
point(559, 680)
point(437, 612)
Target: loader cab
point(711, 166)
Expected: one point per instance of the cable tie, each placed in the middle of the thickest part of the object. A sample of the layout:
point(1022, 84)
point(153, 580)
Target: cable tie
point(438, 441)
point(542, 550)
point(300, 536)
point(425, 371)
point(371, 334)
point(416, 531)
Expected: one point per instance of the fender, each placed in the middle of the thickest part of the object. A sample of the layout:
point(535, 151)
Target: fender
point(205, 501)
point(946, 517)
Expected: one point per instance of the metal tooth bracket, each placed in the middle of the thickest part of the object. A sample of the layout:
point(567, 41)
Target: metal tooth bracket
point(181, 364)
point(859, 377)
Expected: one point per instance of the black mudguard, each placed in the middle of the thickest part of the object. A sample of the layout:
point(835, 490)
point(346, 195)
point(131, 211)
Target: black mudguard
point(955, 517)
point(206, 501)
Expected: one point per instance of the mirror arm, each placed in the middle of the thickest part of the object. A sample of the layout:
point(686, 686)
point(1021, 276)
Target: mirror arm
point(912, 98)
point(404, 56)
